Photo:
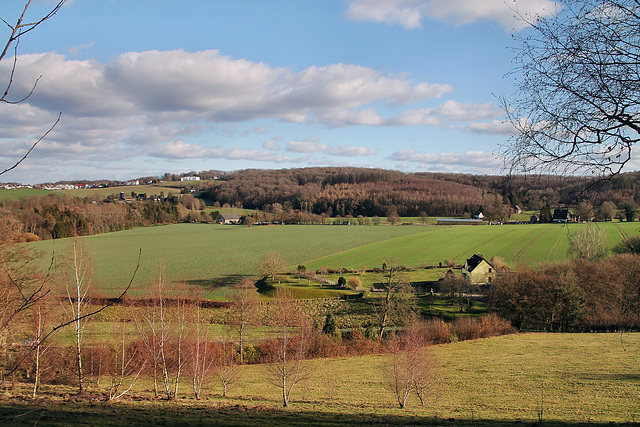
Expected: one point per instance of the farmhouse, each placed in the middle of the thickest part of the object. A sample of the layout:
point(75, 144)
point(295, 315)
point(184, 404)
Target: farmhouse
point(458, 221)
point(229, 219)
point(478, 271)
point(562, 215)
point(478, 215)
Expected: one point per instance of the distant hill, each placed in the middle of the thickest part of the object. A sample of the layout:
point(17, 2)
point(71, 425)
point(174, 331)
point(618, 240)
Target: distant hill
point(369, 192)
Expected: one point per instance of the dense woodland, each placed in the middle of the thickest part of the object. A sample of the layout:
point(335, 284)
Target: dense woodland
point(370, 192)
point(312, 195)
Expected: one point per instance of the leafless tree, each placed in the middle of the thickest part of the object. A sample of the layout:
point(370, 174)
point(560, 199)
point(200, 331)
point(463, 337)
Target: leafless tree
point(397, 295)
point(126, 368)
point(272, 264)
point(607, 211)
point(42, 317)
point(244, 298)
point(28, 299)
point(577, 100)
point(202, 358)
point(411, 366)
point(589, 243)
point(78, 287)
point(457, 288)
point(162, 330)
point(226, 367)
point(21, 27)
point(287, 368)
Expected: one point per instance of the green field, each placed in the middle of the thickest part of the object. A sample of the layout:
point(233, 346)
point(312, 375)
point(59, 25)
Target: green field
point(524, 243)
point(210, 255)
point(90, 192)
point(563, 379)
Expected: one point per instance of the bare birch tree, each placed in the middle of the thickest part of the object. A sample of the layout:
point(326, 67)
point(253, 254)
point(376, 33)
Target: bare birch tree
point(78, 287)
point(226, 367)
point(244, 298)
point(162, 328)
point(202, 357)
point(126, 368)
point(590, 243)
point(41, 318)
point(287, 367)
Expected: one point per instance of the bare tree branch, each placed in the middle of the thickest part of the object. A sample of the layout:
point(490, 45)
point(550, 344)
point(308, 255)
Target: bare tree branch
point(19, 29)
point(15, 165)
point(576, 107)
point(56, 328)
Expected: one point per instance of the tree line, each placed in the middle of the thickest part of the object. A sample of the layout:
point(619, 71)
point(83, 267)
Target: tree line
point(58, 216)
point(577, 295)
point(376, 192)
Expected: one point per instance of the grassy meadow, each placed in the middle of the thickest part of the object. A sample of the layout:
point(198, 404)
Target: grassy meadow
point(561, 379)
point(209, 256)
point(100, 193)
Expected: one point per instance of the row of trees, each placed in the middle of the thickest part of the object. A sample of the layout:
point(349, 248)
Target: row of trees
point(578, 295)
point(56, 216)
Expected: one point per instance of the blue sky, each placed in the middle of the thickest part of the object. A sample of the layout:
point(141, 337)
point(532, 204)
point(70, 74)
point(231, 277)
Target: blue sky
point(153, 86)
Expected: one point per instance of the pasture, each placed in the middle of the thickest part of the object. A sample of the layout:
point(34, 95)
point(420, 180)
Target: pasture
point(92, 193)
point(560, 379)
point(209, 256)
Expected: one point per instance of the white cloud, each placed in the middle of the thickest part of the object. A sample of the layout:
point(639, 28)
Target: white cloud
point(312, 145)
point(272, 144)
point(166, 87)
point(306, 146)
point(410, 13)
point(493, 127)
point(147, 103)
point(477, 160)
point(180, 150)
point(446, 114)
point(350, 151)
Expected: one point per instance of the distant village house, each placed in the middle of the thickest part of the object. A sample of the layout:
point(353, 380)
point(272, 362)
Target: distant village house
point(229, 219)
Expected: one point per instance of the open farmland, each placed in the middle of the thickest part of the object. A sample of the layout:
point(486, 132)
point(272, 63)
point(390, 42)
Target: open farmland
point(211, 255)
point(524, 243)
point(560, 379)
point(98, 193)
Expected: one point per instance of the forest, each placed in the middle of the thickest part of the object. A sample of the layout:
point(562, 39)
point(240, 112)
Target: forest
point(312, 195)
point(370, 192)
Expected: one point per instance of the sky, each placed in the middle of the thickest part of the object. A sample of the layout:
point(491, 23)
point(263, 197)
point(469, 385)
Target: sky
point(153, 86)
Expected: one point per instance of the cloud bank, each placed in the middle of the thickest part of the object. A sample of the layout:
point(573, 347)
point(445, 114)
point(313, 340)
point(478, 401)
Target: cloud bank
point(411, 13)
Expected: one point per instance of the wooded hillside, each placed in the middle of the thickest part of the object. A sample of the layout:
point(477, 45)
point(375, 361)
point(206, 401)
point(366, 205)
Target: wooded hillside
point(369, 192)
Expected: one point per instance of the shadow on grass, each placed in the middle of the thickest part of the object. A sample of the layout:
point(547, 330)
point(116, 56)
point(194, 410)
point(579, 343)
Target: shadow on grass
point(440, 306)
point(50, 413)
point(217, 282)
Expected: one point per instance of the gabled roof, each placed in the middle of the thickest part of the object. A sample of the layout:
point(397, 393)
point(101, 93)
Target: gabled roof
point(475, 261)
point(561, 214)
point(230, 216)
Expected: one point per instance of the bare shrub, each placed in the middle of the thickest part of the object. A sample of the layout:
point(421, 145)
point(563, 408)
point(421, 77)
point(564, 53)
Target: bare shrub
point(411, 366)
